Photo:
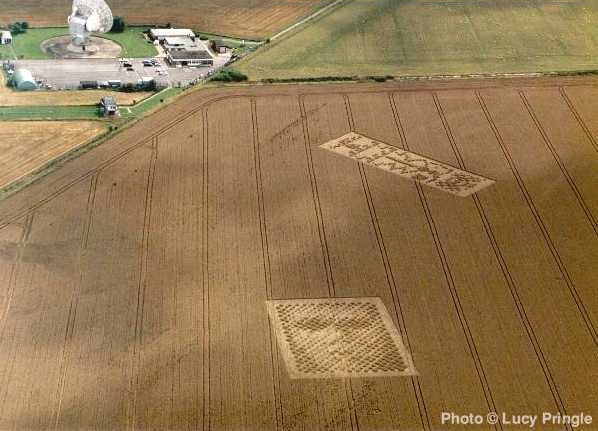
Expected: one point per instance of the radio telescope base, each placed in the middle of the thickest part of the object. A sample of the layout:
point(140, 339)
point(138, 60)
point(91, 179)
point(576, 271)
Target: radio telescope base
point(97, 47)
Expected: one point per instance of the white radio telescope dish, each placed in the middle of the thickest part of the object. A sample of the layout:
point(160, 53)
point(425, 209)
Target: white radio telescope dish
point(89, 16)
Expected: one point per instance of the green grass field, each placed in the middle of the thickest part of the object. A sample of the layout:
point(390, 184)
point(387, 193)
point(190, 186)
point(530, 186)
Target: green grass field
point(27, 45)
point(373, 37)
point(10, 113)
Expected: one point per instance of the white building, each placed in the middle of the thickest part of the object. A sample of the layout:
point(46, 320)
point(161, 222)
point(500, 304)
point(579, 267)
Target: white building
point(186, 51)
point(5, 38)
point(108, 106)
point(162, 33)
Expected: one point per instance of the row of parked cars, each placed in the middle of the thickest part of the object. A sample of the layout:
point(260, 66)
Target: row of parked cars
point(150, 62)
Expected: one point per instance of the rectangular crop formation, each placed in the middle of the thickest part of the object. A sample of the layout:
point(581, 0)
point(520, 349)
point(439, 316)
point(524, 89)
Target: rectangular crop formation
point(339, 337)
point(407, 164)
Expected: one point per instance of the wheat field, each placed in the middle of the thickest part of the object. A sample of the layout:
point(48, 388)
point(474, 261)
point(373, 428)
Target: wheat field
point(134, 280)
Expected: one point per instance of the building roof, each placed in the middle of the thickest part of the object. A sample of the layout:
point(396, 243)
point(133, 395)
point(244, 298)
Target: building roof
point(197, 54)
point(23, 80)
point(171, 32)
point(176, 43)
point(109, 101)
point(178, 40)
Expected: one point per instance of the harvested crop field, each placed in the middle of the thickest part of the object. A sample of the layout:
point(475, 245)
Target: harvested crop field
point(28, 145)
point(253, 19)
point(165, 279)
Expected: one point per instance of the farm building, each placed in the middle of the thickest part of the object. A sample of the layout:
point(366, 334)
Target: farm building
point(187, 51)
point(190, 58)
point(5, 38)
point(162, 33)
point(23, 80)
point(108, 106)
point(220, 46)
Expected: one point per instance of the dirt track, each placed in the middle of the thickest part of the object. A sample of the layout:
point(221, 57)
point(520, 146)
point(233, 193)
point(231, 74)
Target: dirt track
point(133, 281)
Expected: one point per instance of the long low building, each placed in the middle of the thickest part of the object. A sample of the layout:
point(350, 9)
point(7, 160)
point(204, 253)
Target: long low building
point(186, 51)
point(162, 33)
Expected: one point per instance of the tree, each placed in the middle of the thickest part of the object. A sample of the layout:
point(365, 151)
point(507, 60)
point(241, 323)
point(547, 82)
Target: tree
point(119, 25)
point(229, 75)
point(18, 27)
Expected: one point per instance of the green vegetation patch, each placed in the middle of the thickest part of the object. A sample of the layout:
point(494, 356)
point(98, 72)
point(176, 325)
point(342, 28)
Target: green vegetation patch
point(27, 45)
point(373, 37)
point(10, 113)
point(6, 52)
point(85, 112)
point(133, 42)
point(229, 75)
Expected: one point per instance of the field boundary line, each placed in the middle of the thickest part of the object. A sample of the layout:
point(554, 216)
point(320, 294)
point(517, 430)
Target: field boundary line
point(390, 279)
point(274, 356)
point(540, 223)
point(449, 276)
point(205, 374)
point(578, 117)
point(559, 161)
point(508, 278)
point(141, 286)
point(72, 315)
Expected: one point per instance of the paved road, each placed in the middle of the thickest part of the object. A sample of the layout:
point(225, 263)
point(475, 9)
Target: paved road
point(67, 74)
